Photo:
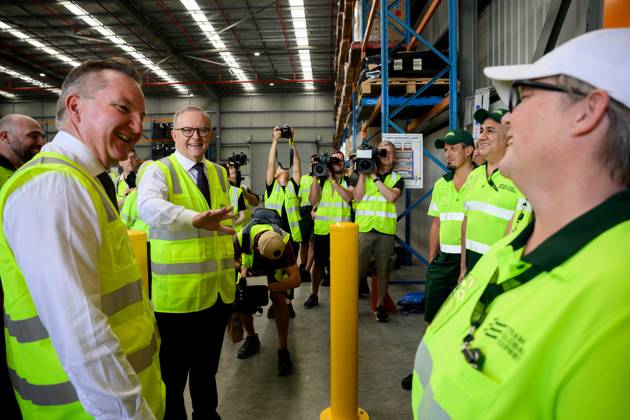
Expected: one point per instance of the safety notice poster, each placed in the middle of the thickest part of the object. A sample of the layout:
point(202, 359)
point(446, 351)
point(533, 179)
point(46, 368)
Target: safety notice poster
point(408, 157)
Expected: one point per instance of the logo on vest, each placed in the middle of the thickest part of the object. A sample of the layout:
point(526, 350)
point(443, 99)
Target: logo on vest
point(507, 339)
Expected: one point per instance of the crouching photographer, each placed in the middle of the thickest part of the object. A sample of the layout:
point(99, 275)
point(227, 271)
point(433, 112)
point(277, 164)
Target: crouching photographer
point(260, 249)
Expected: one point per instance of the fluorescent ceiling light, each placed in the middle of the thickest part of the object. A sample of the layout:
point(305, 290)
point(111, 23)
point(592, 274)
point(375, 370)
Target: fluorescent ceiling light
point(37, 44)
point(256, 53)
point(208, 29)
point(122, 44)
point(298, 16)
point(7, 94)
point(28, 79)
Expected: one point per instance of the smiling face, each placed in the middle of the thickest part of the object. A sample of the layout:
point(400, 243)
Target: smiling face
point(195, 146)
point(338, 168)
point(25, 137)
point(109, 120)
point(492, 141)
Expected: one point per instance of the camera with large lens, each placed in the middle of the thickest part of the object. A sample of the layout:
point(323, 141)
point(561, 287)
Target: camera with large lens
point(237, 159)
point(286, 132)
point(322, 165)
point(366, 161)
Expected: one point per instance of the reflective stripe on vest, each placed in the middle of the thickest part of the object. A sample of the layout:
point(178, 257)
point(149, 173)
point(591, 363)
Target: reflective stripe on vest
point(305, 188)
point(428, 408)
point(109, 209)
point(451, 249)
point(332, 208)
point(374, 212)
point(451, 217)
point(286, 197)
point(490, 209)
point(36, 372)
point(478, 247)
point(196, 263)
point(43, 395)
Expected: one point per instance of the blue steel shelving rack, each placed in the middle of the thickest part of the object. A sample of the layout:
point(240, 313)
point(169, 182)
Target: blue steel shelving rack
point(418, 99)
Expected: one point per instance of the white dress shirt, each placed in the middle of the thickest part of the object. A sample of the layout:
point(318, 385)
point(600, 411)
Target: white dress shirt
point(52, 227)
point(153, 205)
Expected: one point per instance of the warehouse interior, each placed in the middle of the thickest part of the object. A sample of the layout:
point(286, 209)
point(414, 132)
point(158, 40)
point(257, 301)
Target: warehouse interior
point(316, 65)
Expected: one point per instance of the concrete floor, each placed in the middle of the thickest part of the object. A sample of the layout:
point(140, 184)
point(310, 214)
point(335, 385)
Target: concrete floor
point(251, 388)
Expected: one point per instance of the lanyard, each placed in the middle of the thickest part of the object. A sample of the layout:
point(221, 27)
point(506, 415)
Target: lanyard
point(523, 273)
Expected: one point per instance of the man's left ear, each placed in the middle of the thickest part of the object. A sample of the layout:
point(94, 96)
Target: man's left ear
point(590, 112)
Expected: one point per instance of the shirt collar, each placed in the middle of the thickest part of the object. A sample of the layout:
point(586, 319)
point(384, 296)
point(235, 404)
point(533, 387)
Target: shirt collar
point(576, 234)
point(186, 163)
point(71, 147)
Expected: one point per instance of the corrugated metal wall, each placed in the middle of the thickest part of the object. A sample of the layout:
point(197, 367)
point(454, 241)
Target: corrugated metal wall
point(509, 31)
point(247, 123)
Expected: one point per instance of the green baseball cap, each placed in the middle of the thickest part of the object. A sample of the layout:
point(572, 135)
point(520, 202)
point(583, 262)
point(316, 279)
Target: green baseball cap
point(454, 137)
point(482, 114)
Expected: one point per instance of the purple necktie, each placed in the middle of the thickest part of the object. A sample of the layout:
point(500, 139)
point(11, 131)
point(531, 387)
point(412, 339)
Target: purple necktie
point(202, 182)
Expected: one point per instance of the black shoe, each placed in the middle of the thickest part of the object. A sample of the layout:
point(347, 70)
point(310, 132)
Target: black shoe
point(312, 301)
point(271, 313)
point(250, 347)
point(381, 314)
point(406, 382)
point(285, 366)
point(291, 311)
point(305, 276)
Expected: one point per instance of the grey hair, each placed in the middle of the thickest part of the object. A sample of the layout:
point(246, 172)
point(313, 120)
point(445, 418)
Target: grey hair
point(615, 151)
point(82, 80)
point(185, 109)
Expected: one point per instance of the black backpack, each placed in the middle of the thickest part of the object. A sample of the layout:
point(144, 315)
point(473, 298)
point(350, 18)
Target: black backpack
point(261, 216)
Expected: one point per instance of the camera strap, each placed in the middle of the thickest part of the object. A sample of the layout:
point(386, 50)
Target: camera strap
point(291, 152)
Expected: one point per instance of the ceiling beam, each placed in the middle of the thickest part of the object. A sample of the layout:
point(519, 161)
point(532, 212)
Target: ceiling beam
point(166, 44)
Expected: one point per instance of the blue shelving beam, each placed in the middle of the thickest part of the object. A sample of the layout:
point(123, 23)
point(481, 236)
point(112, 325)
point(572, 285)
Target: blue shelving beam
point(418, 99)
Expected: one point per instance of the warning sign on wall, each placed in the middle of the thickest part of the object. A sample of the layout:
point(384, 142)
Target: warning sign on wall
point(408, 157)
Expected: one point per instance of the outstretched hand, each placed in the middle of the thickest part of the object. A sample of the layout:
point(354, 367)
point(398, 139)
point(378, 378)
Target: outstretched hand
point(211, 220)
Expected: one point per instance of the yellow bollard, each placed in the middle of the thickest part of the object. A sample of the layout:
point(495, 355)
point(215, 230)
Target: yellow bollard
point(138, 241)
point(344, 325)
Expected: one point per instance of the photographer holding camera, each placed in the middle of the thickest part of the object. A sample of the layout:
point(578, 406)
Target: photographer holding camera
point(262, 250)
point(376, 195)
point(331, 196)
point(241, 197)
point(281, 194)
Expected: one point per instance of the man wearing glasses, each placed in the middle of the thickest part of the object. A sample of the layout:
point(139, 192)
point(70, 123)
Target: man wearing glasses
point(492, 198)
point(539, 328)
point(376, 196)
point(184, 200)
point(332, 198)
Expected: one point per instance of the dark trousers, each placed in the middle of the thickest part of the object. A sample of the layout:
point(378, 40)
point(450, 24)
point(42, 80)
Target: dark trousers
point(10, 408)
point(442, 275)
point(471, 259)
point(191, 347)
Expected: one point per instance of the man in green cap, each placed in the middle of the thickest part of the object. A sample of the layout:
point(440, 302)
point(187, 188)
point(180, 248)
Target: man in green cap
point(491, 199)
point(447, 211)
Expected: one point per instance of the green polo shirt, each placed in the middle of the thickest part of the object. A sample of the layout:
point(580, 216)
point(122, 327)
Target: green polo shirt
point(555, 347)
point(448, 204)
point(489, 205)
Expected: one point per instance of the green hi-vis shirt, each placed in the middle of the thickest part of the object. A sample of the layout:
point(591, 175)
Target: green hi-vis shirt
point(556, 346)
point(448, 204)
point(489, 205)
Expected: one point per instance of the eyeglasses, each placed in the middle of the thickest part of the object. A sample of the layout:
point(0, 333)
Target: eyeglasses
point(516, 91)
point(189, 131)
point(335, 161)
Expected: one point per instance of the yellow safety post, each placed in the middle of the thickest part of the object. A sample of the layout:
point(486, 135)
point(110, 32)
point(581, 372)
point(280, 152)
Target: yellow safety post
point(138, 241)
point(344, 324)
